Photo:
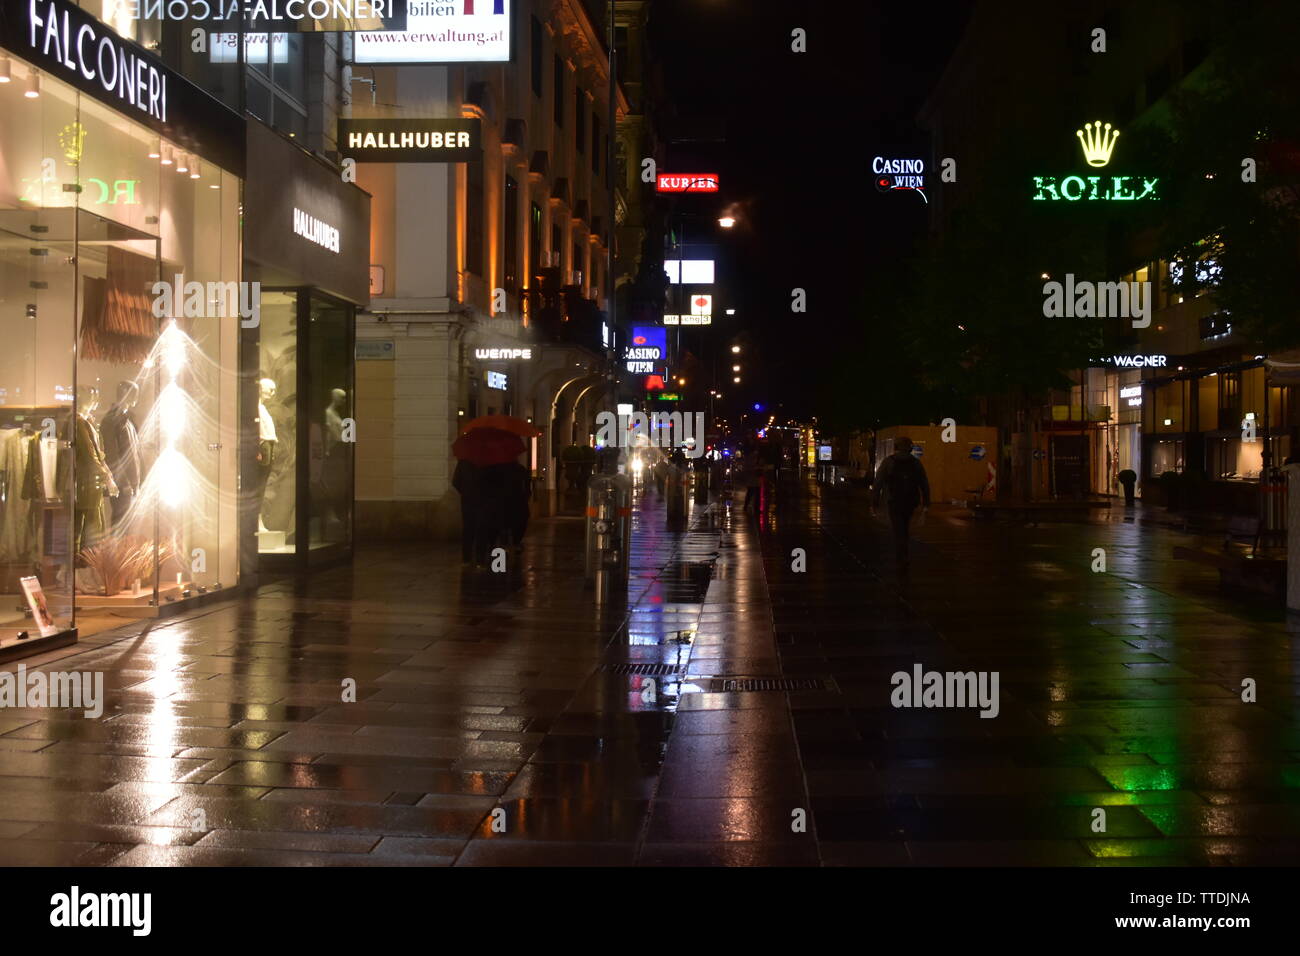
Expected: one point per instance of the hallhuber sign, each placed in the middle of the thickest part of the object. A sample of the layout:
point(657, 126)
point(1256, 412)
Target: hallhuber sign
point(411, 140)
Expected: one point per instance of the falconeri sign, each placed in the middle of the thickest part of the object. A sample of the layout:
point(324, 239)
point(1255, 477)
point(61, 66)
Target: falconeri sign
point(1098, 142)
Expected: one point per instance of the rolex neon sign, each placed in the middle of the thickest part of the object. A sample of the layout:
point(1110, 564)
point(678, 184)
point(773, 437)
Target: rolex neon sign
point(1098, 142)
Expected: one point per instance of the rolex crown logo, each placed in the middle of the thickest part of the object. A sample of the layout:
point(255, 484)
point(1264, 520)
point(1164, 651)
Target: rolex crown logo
point(1098, 141)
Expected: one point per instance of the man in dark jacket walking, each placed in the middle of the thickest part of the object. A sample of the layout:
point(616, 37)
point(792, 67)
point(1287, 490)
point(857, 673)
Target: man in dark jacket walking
point(902, 480)
point(465, 480)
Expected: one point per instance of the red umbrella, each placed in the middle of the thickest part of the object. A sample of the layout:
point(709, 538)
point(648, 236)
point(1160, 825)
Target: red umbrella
point(488, 446)
point(505, 423)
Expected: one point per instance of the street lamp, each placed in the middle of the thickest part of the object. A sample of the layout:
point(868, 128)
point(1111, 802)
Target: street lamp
point(735, 368)
point(735, 349)
point(726, 222)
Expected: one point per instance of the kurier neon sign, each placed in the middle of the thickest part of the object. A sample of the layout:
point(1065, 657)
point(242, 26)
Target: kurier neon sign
point(1098, 142)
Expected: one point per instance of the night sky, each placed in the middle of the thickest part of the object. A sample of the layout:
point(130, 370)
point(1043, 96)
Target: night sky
point(800, 131)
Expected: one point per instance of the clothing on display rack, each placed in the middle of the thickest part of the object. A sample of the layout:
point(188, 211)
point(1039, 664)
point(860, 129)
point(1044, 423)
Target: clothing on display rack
point(117, 320)
point(122, 452)
point(20, 495)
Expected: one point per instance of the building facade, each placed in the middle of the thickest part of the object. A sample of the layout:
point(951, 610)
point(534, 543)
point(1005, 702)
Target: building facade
point(491, 278)
point(1183, 395)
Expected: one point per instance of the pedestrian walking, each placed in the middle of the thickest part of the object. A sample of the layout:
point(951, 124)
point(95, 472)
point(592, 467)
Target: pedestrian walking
point(497, 499)
point(465, 480)
point(494, 487)
point(903, 483)
point(752, 476)
point(660, 473)
point(1128, 481)
point(519, 493)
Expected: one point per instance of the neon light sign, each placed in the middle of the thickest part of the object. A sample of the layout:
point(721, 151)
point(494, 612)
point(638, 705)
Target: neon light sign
point(894, 174)
point(1098, 143)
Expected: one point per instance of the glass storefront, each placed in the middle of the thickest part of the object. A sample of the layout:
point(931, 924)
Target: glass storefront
point(1231, 459)
point(1166, 455)
point(304, 471)
point(118, 408)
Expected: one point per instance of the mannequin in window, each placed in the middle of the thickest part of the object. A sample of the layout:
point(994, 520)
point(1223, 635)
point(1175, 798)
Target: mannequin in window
point(94, 481)
point(265, 447)
point(334, 418)
point(337, 469)
point(122, 448)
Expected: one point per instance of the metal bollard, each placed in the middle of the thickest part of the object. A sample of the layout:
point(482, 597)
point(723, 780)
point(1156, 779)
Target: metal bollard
point(609, 532)
point(701, 483)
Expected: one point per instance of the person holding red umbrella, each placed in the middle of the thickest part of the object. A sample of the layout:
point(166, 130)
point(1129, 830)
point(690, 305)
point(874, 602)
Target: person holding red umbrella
point(492, 483)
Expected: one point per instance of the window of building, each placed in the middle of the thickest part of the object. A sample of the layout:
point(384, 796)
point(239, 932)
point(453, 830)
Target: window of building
point(580, 119)
point(474, 218)
point(534, 241)
point(557, 245)
point(596, 140)
point(1166, 456)
point(277, 80)
point(510, 236)
point(536, 61)
point(577, 261)
point(1231, 459)
point(620, 48)
point(1229, 400)
point(558, 93)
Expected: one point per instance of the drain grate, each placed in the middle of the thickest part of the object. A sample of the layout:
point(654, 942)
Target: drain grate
point(741, 685)
point(643, 670)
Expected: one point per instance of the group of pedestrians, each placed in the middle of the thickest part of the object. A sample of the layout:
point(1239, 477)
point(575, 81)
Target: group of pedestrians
point(494, 508)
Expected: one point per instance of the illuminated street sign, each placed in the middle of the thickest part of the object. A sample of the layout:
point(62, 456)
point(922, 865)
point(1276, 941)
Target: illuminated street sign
point(1098, 142)
point(898, 173)
point(645, 353)
point(442, 31)
point(687, 183)
point(689, 271)
point(411, 140)
point(503, 355)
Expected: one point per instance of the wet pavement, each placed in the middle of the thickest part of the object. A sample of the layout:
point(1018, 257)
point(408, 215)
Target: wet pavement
point(1119, 690)
point(506, 719)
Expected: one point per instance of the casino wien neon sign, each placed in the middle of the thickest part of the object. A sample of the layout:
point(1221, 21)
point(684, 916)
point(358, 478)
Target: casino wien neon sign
point(1098, 142)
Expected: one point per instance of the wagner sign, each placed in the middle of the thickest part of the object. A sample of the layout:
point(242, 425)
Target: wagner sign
point(411, 140)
